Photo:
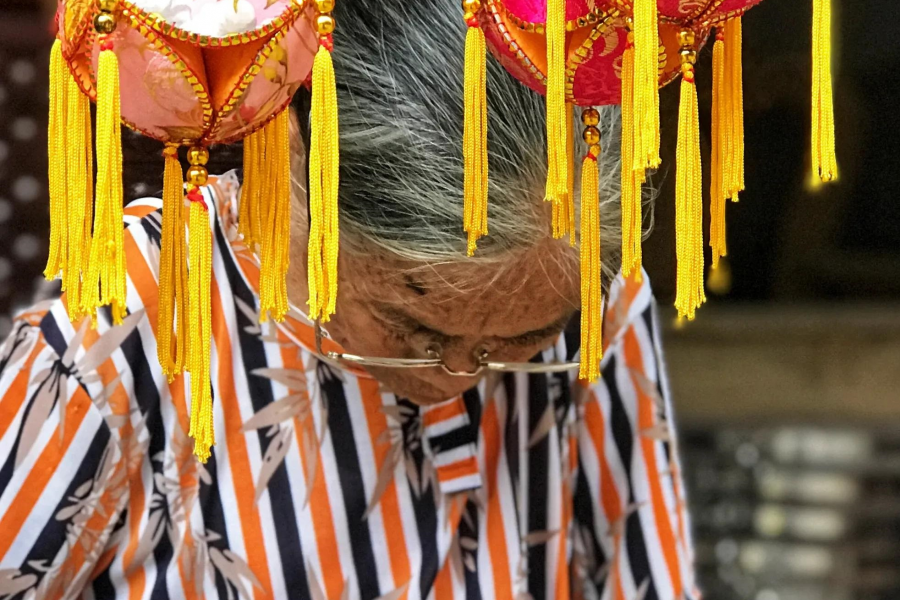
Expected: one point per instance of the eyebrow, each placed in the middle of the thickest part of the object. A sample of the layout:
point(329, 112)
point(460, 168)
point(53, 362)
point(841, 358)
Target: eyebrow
point(553, 328)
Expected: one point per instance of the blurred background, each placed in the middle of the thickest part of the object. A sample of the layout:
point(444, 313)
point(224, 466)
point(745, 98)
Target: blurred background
point(787, 385)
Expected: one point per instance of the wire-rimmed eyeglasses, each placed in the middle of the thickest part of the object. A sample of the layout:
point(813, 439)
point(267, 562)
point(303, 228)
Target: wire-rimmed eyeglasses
point(435, 360)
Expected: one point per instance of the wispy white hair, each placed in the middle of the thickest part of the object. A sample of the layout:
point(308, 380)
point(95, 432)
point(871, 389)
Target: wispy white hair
point(399, 66)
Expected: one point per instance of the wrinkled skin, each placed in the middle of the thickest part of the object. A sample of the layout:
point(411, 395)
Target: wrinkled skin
point(387, 308)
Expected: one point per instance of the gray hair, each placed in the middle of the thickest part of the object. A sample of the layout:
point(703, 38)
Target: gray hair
point(399, 67)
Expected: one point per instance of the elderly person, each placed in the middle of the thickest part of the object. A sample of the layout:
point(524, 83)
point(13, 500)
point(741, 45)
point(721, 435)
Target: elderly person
point(342, 468)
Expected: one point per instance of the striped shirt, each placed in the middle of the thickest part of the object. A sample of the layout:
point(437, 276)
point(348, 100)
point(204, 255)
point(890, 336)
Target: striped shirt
point(321, 484)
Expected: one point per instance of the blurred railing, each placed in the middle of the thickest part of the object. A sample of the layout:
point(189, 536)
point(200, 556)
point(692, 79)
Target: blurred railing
point(792, 450)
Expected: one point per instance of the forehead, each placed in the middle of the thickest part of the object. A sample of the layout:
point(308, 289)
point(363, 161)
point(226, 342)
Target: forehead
point(527, 291)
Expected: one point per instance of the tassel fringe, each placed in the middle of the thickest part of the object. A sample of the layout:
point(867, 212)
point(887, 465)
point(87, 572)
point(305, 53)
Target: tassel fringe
point(557, 134)
point(646, 86)
point(733, 111)
point(323, 188)
point(106, 273)
point(173, 275)
point(563, 213)
point(249, 217)
point(591, 294)
point(727, 156)
point(824, 160)
point(56, 152)
point(717, 154)
point(71, 183)
point(632, 178)
point(688, 202)
point(275, 230)
point(475, 124)
point(200, 326)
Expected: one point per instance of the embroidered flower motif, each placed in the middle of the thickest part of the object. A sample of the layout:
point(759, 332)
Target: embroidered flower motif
point(211, 17)
point(223, 18)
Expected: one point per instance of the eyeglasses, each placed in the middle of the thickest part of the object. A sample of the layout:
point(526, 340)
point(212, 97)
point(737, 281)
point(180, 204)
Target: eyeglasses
point(435, 360)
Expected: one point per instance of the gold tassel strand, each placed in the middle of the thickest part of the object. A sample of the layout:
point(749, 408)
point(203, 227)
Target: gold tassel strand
point(323, 175)
point(199, 321)
point(171, 330)
point(275, 237)
point(475, 160)
point(248, 225)
point(646, 85)
point(632, 178)
point(78, 196)
point(105, 282)
point(688, 189)
point(557, 134)
point(563, 213)
point(591, 293)
point(717, 153)
point(824, 160)
point(734, 109)
point(56, 153)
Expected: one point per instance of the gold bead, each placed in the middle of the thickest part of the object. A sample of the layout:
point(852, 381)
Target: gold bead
point(590, 117)
point(197, 175)
point(324, 6)
point(104, 23)
point(324, 24)
point(108, 6)
point(686, 38)
point(470, 7)
point(197, 155)
point(591, 136)
point(688, 56)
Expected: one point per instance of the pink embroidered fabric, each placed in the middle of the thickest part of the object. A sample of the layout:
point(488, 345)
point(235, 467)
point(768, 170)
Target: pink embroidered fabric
point(596, 40)
point(194, 71)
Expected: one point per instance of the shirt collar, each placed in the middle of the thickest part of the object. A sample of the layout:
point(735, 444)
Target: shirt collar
point(452, 439)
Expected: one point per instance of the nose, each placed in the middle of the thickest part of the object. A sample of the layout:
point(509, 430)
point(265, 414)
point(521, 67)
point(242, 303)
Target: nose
point(462, 358)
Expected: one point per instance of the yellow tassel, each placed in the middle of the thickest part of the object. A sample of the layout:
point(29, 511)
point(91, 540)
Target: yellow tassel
point(824, 161)
point(632, 178)
point(733, 110)
point(172, 337)
point(254, 161)
point(688, 202)
point(106, 273)
point(72, 165)
point(557, 135)
point(717, 155)
point(275, 231)
point(56, 152)
point(323, 188)
point(563, 213)
point(199, 324)
point(570, 161)
point(475, 158)
point(591, 294)
point(646, 85)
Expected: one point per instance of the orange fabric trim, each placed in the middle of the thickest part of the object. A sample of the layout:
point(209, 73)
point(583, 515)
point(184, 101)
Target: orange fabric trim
point(238, 455)
point(460, 468)
point(17, 392)
point(496, 536)
point(443, 583)
point(444, 412)
point(646, 420)
point(390, 502)
point(37, 479)
point(319, 504)
point(594, 423)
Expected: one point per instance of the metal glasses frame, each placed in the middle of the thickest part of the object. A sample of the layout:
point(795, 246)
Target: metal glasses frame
point(436, 361)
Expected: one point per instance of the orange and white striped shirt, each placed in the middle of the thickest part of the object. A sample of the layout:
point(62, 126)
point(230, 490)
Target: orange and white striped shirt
point(322, 485)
